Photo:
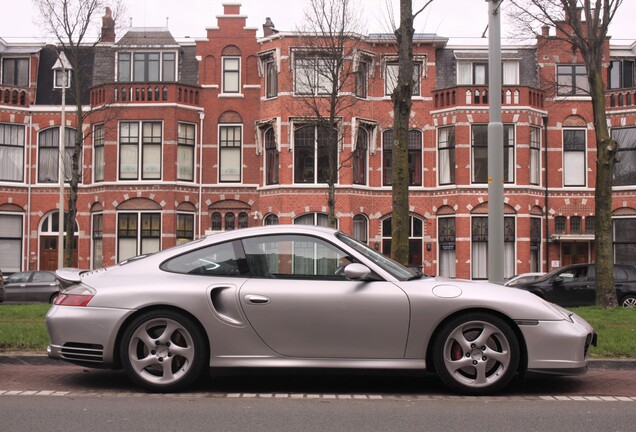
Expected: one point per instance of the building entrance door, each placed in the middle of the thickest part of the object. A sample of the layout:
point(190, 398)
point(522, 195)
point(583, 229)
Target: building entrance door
point(575, 253)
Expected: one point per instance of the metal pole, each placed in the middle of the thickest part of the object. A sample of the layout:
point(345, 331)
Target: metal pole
point(60, 174)
point(495, 149)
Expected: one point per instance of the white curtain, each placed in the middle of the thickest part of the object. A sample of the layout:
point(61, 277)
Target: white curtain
point(444, 167)
point(185, 162)
point(99, 164)
point(510, 73)
point(464, 73)
point(152, 161)
point(509, 259)
point(127, 248)
point(480, 260)
point(574, 168)
point(447, 263)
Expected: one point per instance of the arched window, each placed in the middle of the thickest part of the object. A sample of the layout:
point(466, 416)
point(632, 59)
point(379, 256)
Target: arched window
point(48, 144)
point(360, 231)
point(415, 157)
point(217, 223)
point(416, 236)
point(271, 158)
point(360, 157)
point(242, 220)
point(271, 219)
point(229, 221)
point(311, 153)
point(318, 219)
point(446, 233)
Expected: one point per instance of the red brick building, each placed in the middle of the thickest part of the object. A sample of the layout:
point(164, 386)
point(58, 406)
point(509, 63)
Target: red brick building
point(214, 134)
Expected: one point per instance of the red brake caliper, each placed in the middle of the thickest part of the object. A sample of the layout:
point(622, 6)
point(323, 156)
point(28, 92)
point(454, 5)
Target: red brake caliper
point(456, 352)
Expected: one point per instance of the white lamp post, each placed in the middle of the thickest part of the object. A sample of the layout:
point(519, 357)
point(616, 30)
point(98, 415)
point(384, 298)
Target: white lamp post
point(61, 65)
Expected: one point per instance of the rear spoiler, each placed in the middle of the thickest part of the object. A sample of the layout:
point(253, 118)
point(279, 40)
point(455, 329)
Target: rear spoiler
point(71, 274)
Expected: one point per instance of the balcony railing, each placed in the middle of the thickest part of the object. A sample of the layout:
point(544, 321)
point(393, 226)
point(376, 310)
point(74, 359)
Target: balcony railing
point(479, 96)
point(620, 98)
point(11, 95)
point(145, 93)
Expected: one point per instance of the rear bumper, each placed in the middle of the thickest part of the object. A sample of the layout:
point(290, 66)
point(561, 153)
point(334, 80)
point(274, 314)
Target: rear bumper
point(84, 335)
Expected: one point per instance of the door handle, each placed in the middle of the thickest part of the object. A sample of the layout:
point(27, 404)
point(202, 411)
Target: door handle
point(256, 299)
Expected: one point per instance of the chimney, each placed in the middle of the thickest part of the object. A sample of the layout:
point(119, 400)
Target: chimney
point(108, 27)
point(545, 31)
point(268, 28)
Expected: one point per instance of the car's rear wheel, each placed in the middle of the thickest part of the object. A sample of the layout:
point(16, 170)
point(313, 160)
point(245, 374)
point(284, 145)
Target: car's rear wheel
point(163, 351)
point(628, 301)
point(53, 297)
point(476, 353)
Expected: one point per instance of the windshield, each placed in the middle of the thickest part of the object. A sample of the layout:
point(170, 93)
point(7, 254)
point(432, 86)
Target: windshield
point(396, 269)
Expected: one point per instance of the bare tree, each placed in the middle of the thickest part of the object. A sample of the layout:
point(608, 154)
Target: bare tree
point(402, 101)
point(584, 24)
point(74, 25)
point(325, 73)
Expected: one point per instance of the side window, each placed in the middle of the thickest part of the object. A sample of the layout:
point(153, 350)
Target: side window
point(619, 273)
point(224, 259)
point(295, 256)
point(43, 277)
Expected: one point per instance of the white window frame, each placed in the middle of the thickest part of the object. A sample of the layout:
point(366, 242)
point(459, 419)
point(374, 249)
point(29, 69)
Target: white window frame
point(5, 240)
point(57, 78)
point(568, 164)
point(138, 237)
point(97, 163)
point(7, 146)
point(131, 67)
point(140, 151)
point(240, 152)
point(225, 91)
point(192, 147)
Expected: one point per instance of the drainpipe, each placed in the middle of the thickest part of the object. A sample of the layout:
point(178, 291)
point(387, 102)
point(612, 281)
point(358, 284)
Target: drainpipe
point(201, 117)
point(547, 221)
point(28, 180)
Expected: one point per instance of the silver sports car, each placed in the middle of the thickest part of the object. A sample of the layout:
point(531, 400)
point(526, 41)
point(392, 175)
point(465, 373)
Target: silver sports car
point(303, 296)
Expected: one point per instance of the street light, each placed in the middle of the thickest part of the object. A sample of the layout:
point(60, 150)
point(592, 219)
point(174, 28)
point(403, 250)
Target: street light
point(62, 66)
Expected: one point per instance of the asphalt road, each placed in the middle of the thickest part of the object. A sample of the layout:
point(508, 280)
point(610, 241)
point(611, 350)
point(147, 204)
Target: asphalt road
point(40, 394)
point(36, 374)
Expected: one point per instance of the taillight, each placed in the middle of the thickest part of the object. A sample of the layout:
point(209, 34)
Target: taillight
point(76, 295)
point(73, 299)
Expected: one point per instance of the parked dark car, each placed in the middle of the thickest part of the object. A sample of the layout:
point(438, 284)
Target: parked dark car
point(575, 285)
point(1, 287)
point(32, 286)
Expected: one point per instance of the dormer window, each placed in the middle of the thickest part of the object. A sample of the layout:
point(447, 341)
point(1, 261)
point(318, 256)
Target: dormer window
point(476, 72)
point(146, 66)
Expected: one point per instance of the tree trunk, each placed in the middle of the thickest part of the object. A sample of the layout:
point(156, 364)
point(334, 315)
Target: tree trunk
point(605, 158)
point(401, 97)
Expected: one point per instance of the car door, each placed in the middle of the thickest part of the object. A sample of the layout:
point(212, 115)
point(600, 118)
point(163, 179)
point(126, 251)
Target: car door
point(302, 305)
point(15, 287)
point(40, 287)
point(574, 286)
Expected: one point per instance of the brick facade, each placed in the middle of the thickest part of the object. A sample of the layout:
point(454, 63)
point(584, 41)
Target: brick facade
point(125, 212)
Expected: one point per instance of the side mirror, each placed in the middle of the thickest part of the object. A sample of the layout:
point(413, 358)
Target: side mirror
point(356, 271)
point(557, 280)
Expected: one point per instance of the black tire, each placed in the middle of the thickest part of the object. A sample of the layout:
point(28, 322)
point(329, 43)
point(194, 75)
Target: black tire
point(476, 353)
point(53, 297)
point(163, 351)
point(629, 301)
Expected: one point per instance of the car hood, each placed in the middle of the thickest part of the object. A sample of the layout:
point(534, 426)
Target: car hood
point(516, 303)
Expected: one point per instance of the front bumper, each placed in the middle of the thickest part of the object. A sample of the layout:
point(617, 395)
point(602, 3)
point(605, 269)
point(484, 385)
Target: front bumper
point(559, 347)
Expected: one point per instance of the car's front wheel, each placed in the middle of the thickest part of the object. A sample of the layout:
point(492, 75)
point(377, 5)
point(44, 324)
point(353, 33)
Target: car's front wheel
point(476, 353)
point(163, 351)
point(628, 301)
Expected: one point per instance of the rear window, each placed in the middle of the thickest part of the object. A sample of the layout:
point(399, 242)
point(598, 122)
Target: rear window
point(619, 273)
point(225, 259)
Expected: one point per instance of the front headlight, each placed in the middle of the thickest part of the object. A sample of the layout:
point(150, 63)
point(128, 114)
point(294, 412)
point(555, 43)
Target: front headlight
point(562, 312)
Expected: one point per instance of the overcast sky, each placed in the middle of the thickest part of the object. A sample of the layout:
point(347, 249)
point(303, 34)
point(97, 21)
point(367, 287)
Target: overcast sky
point(463, 21)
